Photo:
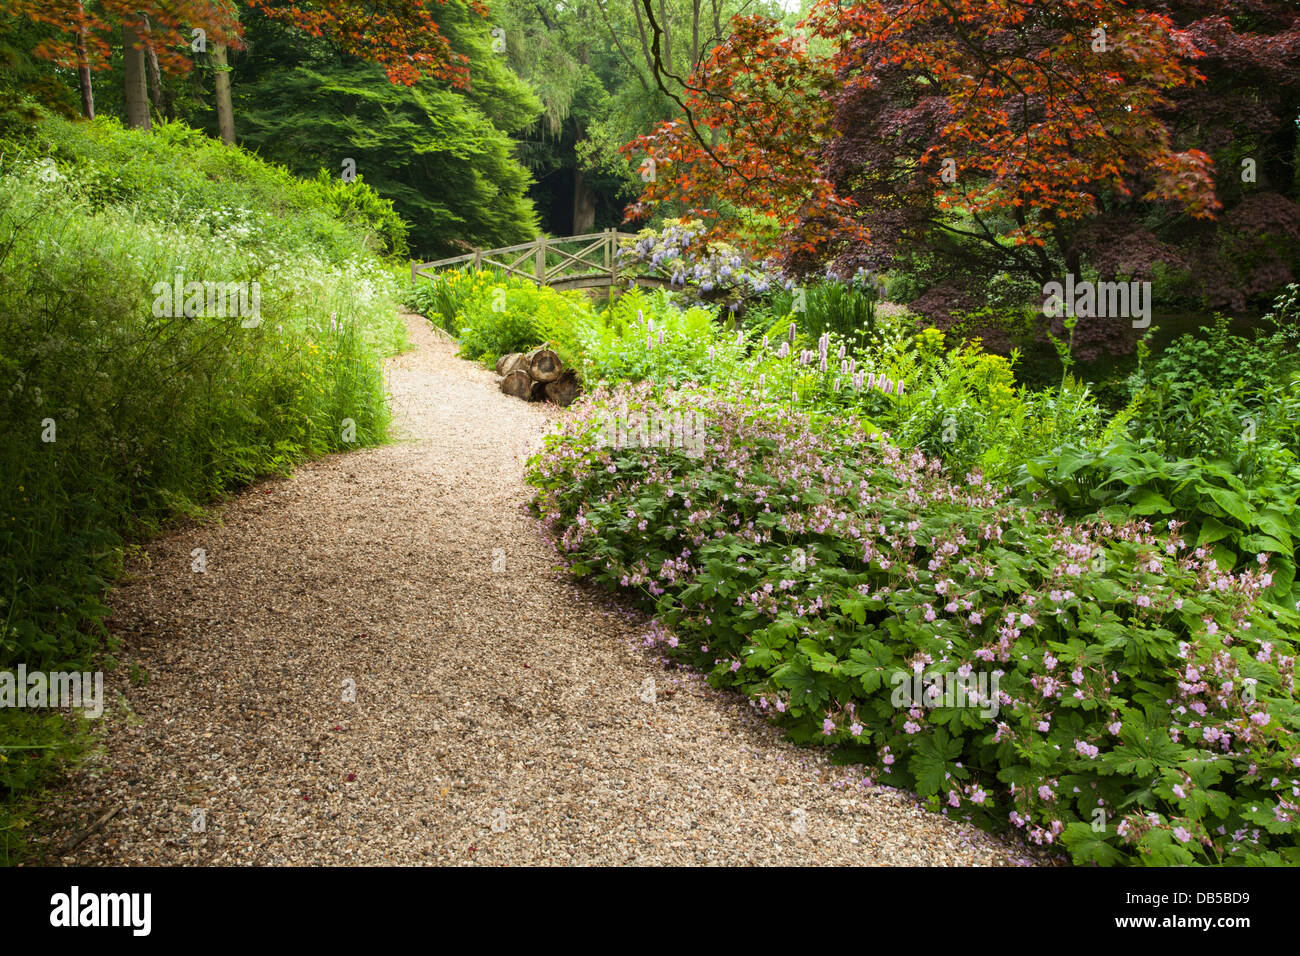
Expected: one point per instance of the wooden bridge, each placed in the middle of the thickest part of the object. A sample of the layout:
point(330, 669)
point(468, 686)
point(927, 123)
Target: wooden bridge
point(575, 262)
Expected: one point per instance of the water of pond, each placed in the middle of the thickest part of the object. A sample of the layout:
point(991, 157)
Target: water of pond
point(1167, 326)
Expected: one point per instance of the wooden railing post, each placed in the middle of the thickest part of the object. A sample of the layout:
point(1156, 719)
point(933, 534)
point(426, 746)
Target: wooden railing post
point(413, 276)
point(539, 267)
point(609, 266)
point(478, 259)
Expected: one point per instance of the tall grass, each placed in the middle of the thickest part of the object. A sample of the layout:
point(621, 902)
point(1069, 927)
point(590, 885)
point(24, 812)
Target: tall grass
point(115, 417)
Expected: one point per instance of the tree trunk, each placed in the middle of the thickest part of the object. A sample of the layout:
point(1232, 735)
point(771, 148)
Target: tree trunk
point(584, 204)
point(544, 365)
point(225, 106)
point(154, 76)
point(83, 71)
point(1280, 165)
point(519, 384)
point(137, 93)
point(563, 390)
point(509, 363)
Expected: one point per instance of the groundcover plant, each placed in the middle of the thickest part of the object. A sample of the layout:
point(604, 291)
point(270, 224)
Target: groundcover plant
point(1104, 683)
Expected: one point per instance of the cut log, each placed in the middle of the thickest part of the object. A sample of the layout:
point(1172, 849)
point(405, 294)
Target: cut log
point(538, 392)
point(519, 384)
point(513, 361)
point(544, 365)
point(563, 390)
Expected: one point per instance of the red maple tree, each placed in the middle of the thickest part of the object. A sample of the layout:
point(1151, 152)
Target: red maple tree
point(400, 35)
point(87, 33)
point(1017, 115)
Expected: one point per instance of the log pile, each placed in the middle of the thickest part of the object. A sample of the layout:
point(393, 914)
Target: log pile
point(537, 376)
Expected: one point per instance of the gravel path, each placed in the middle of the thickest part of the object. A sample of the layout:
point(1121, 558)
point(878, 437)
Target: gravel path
point(498, 716)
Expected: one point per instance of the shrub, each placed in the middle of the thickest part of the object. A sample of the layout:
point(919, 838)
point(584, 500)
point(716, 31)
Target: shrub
point(511, 315)
point(963, 407)
point(645, 336)
point(1226, 396)
point(1145, 707)
point(178, 176)
point(1235, 522)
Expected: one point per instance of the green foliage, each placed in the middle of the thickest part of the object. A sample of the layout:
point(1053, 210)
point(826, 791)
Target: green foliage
point(645, 336)
point(834, 534)
point(964, 408)
point(35, 746)
point(1223, 359)
point(1237, 524)
point(1226, 397)
point(178, 177)
point(494, 316)
point(121, 411)
point(442, 157)
point(844, 309)
point(1209, 440)
point(961, 406)
point(1144, 706)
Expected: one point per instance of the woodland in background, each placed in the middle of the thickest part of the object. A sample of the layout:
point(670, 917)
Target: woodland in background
point(517, 131)
point(491, 123)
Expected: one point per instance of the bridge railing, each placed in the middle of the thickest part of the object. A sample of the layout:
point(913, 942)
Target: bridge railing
point(572, 260)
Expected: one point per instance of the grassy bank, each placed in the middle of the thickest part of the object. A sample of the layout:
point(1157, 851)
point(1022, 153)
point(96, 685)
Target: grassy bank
point(125, 404)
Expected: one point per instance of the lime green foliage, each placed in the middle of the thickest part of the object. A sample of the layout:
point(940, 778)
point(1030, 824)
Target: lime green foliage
point(177, 176)
point(965, 408)
point(445, 297)
point(119, 410)
point(493, 316)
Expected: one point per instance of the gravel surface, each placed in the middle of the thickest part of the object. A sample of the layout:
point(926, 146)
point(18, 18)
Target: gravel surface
point(503, 714)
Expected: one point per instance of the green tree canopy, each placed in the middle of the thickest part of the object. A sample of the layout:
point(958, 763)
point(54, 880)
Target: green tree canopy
point(444, 157)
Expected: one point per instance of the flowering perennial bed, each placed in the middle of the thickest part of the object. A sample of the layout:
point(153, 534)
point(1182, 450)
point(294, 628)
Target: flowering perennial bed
point(1118, 692)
